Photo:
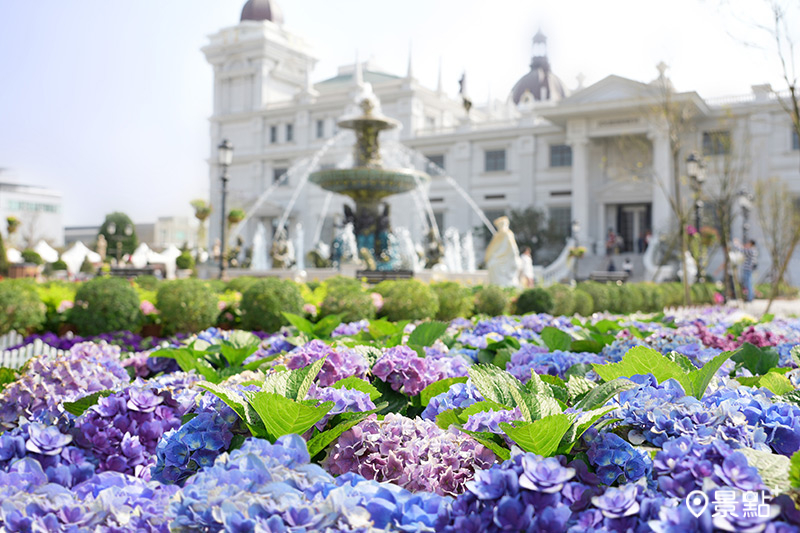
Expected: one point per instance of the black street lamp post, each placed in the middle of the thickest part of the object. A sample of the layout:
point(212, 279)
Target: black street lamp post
point(225, 157)
point(695, 169)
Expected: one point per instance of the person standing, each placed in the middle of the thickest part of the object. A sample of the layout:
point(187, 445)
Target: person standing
point(627, 267)
point(526, 273)
point(748, 266)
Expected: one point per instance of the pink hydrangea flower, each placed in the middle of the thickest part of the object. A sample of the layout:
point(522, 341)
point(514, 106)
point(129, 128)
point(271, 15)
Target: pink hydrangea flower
point(147, 308)
point(310, 309)
point(377, 300)
point(64, 306)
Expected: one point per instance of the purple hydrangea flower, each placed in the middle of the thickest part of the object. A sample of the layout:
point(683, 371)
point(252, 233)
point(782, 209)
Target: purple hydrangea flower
point(618, 502)
point(544, 475)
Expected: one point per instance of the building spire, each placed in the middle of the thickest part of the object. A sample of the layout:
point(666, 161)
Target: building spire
point(410, 71)
point(439, 86)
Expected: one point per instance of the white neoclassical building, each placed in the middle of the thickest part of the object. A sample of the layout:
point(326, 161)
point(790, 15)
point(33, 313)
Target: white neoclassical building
point(596, 155)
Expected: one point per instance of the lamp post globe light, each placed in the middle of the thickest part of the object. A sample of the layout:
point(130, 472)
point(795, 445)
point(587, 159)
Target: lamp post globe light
point(224, 159)
point(695, 169)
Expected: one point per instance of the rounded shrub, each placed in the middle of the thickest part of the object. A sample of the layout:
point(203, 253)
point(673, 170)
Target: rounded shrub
point(59, 265)
point(265, 300)
point(533, 301)
point(653, 296)
point(31, 256)
point(599, 293)
point(21, 309)
point(584, 304)
point(186, 306)
point(563, 299)
point(185, 261)
point(673, 294)
point(407, 299)
point(491, 300)
point(241, 284)
point(103, 305)
point(631, 298)
point(346, 297)
point(455, 300)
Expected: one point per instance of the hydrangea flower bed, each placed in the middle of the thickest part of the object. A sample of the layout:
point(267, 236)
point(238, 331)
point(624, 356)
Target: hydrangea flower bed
point(533, 423)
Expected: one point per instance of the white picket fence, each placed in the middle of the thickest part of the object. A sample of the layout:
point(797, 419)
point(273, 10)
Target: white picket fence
point(19, 356)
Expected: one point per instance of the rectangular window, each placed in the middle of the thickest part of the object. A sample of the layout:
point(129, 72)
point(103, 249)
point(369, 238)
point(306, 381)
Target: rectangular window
point(320, 129)
point(439, 218)
point(495, 161)
point(273, 134)
point(716, 142)
point(560, 155)
point(437, 159)
point(795, 140)
point(560, 220)
point(278, 174)
point(289, 133)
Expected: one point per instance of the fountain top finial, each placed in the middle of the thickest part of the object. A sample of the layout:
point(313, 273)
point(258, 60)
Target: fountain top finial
point(367, 106)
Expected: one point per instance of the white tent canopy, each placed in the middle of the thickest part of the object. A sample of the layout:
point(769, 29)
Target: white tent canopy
point(75, 256)
point(47, 252)
point(13, 255)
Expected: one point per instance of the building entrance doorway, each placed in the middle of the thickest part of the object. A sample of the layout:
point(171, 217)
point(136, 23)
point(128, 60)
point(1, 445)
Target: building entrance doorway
point(633, 221)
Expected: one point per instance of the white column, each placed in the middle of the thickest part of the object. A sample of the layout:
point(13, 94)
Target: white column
point(662, 180)
point(579, 141)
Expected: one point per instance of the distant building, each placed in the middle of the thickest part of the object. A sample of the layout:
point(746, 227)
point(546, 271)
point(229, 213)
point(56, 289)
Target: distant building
point(85, 234)
point(593, 158)
point(38, 209)
point(175, 231)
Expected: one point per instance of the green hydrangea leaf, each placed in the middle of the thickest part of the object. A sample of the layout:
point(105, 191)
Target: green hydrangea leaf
point(542, 436)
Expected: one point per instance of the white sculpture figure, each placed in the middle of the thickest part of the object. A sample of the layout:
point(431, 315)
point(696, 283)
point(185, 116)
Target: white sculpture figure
point(502, 256)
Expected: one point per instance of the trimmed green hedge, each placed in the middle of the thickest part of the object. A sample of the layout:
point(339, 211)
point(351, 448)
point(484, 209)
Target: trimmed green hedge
point(264, 302)
point(186, 306)
point(407, 299)
point(103, 305)
point(346, 297)
point(21, 308)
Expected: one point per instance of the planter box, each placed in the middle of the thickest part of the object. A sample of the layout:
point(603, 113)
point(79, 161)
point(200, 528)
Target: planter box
point(24, 270)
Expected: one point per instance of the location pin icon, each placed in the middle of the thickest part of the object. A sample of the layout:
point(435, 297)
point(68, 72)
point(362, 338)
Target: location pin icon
point(697, 502)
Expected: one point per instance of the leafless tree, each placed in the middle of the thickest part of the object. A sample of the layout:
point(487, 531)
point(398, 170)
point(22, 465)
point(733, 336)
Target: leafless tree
point(780, 222)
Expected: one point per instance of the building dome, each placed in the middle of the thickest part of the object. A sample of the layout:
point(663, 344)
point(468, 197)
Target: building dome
point(540, 82)
point(261, 10)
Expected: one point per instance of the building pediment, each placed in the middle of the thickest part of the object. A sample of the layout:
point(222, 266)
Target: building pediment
point(611, 89)
point(614, 96)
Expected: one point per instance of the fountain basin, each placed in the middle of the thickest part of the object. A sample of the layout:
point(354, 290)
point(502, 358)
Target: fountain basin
point(366, 184)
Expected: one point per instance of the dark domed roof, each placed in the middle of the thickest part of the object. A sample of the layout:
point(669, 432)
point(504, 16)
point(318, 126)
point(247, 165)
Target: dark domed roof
point(262, 10)
point(539, 81)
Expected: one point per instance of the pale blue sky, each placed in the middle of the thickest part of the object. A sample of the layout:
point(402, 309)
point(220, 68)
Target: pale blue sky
point(108, 100)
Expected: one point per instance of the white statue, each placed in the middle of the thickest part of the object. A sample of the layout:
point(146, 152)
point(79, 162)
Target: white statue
point(502, 256)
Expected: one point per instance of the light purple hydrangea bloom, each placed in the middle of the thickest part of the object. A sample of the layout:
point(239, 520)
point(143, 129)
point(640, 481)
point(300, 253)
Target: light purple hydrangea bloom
point(406, 372)
point(340, 363)
point(414, 454)
point(50, 380)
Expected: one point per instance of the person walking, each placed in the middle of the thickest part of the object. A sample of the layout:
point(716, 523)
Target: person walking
point(749, 264)
point(526, 273)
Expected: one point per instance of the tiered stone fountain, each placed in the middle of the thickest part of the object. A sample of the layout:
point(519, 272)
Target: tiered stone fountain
point(368, 183)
